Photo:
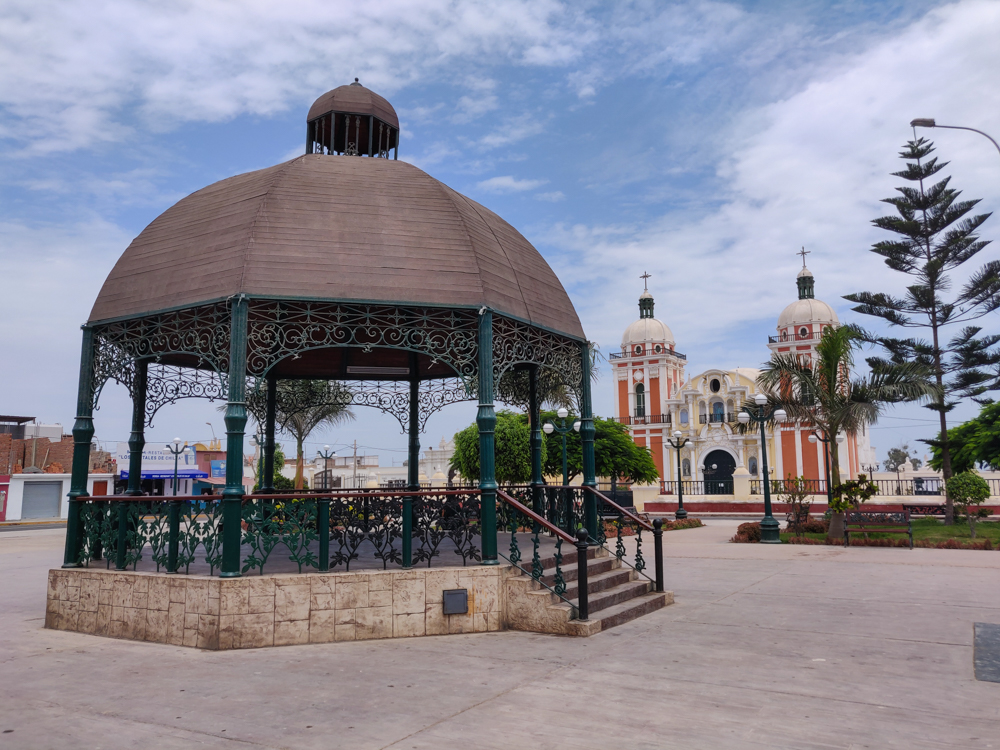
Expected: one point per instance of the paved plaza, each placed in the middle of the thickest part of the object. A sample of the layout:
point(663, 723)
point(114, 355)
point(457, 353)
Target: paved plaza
point(766, 646)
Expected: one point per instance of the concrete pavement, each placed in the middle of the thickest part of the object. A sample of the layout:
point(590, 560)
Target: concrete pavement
point(767, 646)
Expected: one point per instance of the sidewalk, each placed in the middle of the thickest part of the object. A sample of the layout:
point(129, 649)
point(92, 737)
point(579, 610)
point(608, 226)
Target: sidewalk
point(767, 647)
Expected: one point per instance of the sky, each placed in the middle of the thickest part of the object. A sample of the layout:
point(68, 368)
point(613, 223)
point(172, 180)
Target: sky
point(702, 142)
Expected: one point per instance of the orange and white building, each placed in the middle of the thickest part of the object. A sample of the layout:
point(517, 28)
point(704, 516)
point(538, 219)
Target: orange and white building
point(655, 398)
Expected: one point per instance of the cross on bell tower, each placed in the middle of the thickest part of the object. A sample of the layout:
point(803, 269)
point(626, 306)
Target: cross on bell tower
point(645, 299)
point(805, 280)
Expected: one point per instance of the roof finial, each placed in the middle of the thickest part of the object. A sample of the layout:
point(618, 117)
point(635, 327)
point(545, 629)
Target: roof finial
point(645, 276)
point(803, 252)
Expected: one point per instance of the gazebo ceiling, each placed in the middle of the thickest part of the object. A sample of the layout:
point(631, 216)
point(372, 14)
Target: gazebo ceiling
point(323, 227)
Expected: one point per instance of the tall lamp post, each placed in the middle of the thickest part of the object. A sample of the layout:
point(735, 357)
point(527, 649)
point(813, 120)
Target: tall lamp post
point(929, 122)
point(563, 429)
point(677, 443)
point(326, 454)
point(174, 510)
point(768, 526)
point(814, 437)
point(177, 450)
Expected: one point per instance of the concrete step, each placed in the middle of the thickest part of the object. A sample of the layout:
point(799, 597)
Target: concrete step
point(572, 572)
point(568, 558)
point(632, 609)
point(599, 582)
point(616, 595)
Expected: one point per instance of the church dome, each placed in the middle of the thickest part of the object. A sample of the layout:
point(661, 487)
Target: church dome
point(806, 309)
point(647, 329)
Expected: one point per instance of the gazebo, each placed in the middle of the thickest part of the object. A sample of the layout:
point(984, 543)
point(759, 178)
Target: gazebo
point(341, 264)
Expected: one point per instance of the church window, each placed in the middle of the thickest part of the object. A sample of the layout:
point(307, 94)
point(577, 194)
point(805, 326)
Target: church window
point(686, 467)
point(718, 412)
point(684, 416)
point(638, 350)
point(715, 385)
point(784, 335)
point(658, 348)
point(640, 400)
point(753, 465)
point(803, 332)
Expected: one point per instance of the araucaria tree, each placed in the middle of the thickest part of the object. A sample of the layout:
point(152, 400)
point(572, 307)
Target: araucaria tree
point(822, 391)
point(935, 234)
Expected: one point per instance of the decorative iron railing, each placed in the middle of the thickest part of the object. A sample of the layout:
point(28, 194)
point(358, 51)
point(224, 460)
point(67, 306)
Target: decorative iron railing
point(648, 352)
point(318, 531)
point(780, 486)
point(516, 516)
point(698, 487)
point(620, 520)
point(645, 419)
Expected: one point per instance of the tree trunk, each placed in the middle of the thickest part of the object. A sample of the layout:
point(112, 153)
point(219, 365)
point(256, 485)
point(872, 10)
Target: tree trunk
point(836, 519)
point(298, 462)
point(836, 526)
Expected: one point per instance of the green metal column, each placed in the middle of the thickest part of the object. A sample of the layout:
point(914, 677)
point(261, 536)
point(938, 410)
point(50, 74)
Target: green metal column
point(83, 433)
point(587, 436)
point(413, 463)
point(267, 476)
point(535, 416)
point(487, 421)
point(137, 439)
point(236, 421)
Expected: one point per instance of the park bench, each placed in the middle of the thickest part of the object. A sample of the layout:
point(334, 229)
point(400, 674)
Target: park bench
point(880, 523)
point(795, 517)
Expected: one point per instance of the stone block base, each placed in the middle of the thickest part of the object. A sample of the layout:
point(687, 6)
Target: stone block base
point(271, 610)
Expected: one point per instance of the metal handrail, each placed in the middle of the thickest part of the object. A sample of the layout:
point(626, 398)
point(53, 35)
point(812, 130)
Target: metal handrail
point(521, 508)
point(145, 498)
point(657, 536)
point(620, 509)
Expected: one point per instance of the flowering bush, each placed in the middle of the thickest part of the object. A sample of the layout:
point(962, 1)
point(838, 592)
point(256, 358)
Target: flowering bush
point(747, 533)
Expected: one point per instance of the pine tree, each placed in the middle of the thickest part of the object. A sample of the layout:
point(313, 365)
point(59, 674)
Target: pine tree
point(935, 234)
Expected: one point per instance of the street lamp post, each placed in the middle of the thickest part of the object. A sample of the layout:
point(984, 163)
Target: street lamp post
point(677, 444)
point(768, 525)
point(929, 122)
point(326, 454)
point(563, 429)
point(813, 438)
point(323, 515)
point(174, 510)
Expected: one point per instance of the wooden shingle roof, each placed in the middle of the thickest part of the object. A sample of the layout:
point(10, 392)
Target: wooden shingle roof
point(335, 228)
point(355, 99)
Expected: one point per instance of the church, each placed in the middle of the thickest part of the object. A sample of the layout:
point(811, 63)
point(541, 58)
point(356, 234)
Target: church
point(656, 399)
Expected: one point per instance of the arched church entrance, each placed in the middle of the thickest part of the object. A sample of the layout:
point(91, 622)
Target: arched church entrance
point(719, 468)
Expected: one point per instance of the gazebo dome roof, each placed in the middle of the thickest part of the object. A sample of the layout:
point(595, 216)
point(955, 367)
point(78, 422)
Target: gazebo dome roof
point(357, 100)
point(335, 228)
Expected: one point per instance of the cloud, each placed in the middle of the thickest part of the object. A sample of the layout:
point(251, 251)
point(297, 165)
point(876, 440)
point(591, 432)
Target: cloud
point(554, 197)
point(809, 169)
point(73, 74)
point(508, 184)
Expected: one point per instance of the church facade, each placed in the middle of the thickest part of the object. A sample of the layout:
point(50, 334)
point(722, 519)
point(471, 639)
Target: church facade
point(655, 398)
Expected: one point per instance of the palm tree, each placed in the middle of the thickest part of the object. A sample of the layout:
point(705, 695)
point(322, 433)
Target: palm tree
point(822, 392)
point(301, 406)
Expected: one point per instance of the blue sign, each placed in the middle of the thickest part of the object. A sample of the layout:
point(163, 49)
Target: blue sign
point(219, 469)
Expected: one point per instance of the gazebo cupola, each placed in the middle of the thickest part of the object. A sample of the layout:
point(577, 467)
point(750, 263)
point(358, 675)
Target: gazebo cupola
point(352, 121)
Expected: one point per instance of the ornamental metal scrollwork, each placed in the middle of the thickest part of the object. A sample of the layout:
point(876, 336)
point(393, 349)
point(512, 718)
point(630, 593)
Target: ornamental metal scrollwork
point(166, 384)
point(277, 330)
point(198, 332)
point(389, 396)
point(516, 343)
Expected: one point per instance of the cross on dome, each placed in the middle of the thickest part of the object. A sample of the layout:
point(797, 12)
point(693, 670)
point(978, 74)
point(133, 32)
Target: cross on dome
point(646, 275)
point(803, 252)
